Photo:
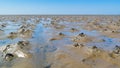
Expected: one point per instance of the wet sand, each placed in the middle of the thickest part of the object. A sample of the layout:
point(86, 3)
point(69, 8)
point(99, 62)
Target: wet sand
point(59, 41)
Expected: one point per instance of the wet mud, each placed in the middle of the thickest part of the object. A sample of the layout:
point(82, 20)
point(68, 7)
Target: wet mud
point(59, 41)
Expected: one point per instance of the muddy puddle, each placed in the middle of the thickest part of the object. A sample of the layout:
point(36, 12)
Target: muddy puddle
point(59, 41)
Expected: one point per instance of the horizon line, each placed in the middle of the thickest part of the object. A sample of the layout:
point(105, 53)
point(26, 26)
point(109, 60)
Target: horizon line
point(59, 14)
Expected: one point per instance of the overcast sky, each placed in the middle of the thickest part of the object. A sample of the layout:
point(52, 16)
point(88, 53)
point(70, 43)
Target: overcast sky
point(59, 7)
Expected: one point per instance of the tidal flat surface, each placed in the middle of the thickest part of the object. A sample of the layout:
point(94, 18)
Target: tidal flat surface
point(59, 41)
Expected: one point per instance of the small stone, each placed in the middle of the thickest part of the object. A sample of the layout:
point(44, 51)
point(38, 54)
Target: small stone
point(7, 47)
point(83, 60)
point(105, 29)
point(49, 66)
point(76, 45)
point(3, 25)
point(113, 31)
point(22, 44)
point(94, 47)
point(82, 45)
point(9, 57)
point(73, 29)
point(22, 30)
point(61, 34)
point(12, 35)
point(117, 49)
point(82, 34)
point(103, 40)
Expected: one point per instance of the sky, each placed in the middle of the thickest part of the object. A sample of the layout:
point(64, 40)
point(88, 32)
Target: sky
point(46, 7)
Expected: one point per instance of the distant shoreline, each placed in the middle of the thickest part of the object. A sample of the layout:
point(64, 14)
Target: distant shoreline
point(59, 15)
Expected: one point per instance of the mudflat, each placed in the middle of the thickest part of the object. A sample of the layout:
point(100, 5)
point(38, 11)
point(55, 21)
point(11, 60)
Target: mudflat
point(59, 41)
